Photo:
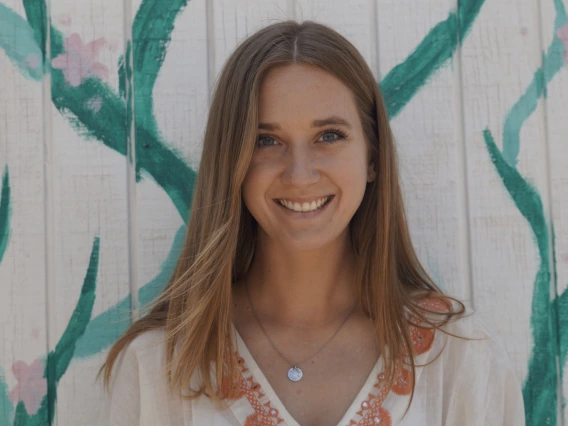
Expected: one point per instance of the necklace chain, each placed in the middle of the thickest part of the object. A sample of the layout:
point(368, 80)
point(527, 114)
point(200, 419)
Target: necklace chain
point(278, 351)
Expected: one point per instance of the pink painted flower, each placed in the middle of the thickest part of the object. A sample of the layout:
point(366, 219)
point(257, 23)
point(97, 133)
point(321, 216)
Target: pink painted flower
point(562, 34)
point(78, 61)
point(31, 387)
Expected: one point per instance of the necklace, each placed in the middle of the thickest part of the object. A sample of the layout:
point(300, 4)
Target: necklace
point(295, 373)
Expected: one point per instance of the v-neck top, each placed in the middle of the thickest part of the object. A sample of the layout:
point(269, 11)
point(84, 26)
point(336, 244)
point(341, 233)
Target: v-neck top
point(468, 382)
point(251, 371)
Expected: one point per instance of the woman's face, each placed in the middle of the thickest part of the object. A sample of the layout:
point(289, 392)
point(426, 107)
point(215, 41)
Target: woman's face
point(300, 161)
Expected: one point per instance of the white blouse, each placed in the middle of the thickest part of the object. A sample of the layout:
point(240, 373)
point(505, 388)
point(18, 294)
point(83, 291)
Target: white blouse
point(472, 383)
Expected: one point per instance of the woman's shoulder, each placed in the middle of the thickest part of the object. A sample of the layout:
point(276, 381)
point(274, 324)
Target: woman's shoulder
point(145, 352)
point(148, 351)
point(470, 327)
point(475, 367)
point(455, 318)
point(469, 346)
point(464, 338)
point(139, 387)
point(152, 339)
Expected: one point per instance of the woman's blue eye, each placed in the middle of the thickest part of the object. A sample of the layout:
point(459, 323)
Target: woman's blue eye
point(330, 140)
point(261, 138)
point(338, 133)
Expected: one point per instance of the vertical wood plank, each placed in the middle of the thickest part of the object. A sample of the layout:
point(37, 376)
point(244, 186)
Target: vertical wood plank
point(429, 140)
point(23, 328)
point(233, 21)
point(174, 112)
point(510, 241)
point(89, 192)
point(554, 41)
point(355, 20)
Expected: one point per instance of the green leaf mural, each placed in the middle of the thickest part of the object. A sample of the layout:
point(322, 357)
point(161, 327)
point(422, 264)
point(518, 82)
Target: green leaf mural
point(17, 40)
point(6, 408)
point(5, 212)
point(59, 359)
point(404, 80)
point(540, 389)
point(541, 384)
point(151, 36)
point(553, 62)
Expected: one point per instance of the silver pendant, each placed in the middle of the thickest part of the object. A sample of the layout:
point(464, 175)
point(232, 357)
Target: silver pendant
point(295, 374)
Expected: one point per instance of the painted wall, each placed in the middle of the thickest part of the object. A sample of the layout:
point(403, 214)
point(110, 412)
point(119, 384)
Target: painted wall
point(102, 110)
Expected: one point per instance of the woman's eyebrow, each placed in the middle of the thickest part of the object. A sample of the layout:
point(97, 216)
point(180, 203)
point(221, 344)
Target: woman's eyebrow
point(334, 119)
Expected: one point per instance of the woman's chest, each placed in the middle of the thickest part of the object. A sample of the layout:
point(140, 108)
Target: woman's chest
point(322, 399)
point(332, 376)
point(328, 387)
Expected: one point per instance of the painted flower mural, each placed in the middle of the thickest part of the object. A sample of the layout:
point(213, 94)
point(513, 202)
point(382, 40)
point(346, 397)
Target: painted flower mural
point(562, 34)
point(31, 385)
point(79, 60)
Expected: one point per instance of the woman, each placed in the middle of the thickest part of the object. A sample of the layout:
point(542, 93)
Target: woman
point(298, 297)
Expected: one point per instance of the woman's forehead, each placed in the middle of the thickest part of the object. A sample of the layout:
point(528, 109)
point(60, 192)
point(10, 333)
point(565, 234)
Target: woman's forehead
point(304, 93)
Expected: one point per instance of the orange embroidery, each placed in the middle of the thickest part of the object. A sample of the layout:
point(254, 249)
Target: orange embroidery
point(256, 420)
point(371, 412)
point(421, 339)
point(380, 417)
point(436, 304)
point(231, 389)
point(403, 381)
point(264, 413)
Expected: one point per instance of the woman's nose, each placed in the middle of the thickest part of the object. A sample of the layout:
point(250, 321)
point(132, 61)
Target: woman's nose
point(300, 167)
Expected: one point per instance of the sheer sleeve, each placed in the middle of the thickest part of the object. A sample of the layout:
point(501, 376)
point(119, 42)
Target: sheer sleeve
point(122, 402)
point(504, 397)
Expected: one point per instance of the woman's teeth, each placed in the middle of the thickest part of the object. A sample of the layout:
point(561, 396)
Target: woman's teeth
point(304, 207)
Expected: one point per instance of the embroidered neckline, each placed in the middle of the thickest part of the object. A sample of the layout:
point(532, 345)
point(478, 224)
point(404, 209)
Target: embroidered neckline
point(371, 411)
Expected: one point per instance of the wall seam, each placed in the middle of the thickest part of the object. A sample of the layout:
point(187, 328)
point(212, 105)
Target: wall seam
point(49, 243)
point(133, 261)
point(547, 193)
point(376, 44)
point(210, 18)
point(463, 194)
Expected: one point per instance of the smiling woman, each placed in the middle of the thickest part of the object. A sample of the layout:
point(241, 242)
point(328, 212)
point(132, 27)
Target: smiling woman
point(298, 297)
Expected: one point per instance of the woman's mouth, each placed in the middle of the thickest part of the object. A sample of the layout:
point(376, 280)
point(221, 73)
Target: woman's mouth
point(305, 209)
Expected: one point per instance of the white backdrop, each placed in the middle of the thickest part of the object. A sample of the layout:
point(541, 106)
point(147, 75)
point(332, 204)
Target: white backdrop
point(103, 105)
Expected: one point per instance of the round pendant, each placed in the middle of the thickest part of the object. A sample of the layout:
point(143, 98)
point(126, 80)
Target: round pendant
point(295, 374)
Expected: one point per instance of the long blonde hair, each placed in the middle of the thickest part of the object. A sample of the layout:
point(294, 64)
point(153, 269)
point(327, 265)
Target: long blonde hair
point(195, 305)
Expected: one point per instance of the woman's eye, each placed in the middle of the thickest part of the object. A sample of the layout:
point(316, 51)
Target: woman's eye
point(263, 138)
point(336, 132)
point(334, 137)
point(329, 136)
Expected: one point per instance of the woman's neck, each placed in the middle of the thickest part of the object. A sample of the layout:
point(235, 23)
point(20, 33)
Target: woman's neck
point(306, 289)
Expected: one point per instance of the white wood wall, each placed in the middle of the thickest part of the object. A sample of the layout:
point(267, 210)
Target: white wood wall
point(71, 196)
